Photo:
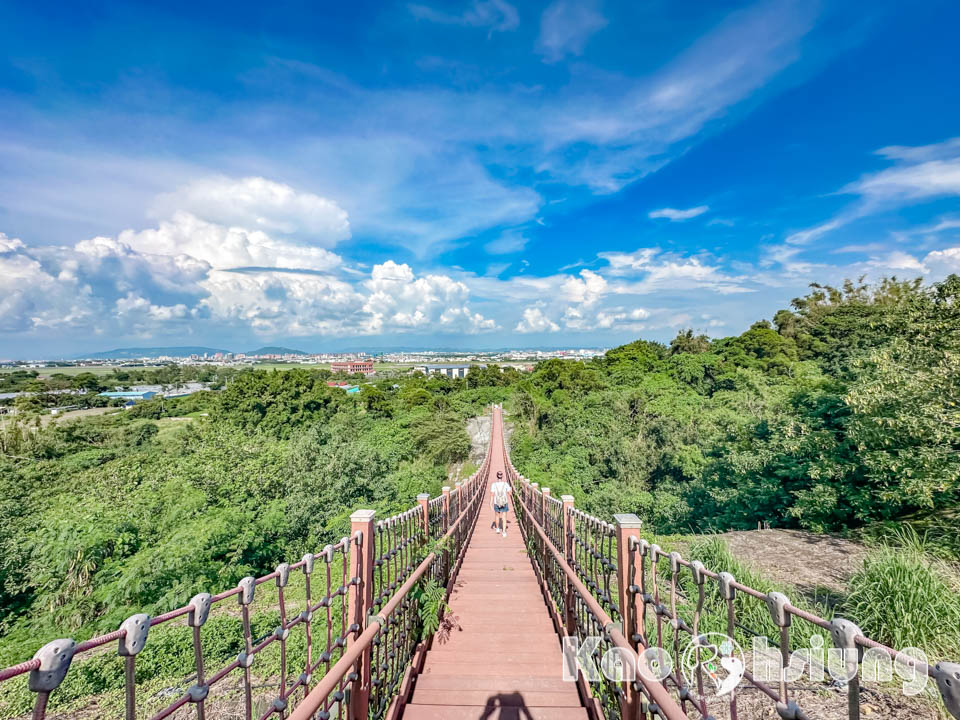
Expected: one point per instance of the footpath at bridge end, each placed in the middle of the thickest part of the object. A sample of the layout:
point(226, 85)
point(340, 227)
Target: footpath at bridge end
point(352, 643)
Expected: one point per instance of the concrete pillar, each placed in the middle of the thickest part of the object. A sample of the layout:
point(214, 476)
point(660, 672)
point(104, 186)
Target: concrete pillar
point(424, 500)
point(628, 532)
point(360, 603)
point(446, 507)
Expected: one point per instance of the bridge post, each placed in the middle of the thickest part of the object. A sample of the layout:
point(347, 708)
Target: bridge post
point(544, 499)
point(360, 603)
point(446, 507)
point(570, 619)
point(424, 500)
point(535, 502)
point(628, 532)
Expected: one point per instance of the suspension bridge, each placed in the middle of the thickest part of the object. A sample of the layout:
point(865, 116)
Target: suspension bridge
point(352, 644)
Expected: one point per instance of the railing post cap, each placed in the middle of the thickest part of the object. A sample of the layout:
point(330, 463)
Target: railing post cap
point(628, 521)
point(55, 658)
point(536, 485)
point(423, 496)
point(362, 515)
point(445, 488)
point(567, 498)
point(546, 491)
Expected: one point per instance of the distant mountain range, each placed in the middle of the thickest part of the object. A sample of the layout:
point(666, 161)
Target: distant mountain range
point(149, 352)
point(274, 350)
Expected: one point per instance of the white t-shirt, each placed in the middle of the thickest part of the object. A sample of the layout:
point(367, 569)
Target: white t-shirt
point(501, 487)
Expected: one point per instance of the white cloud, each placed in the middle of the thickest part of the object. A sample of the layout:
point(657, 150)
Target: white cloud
point(674, 215)
point(898, 261)
point(397, 299)
point(933, 266)
point(260, 204)
point(497, 15)
point(190, 274)
point(511, 241)
point(566, 26)
point(651, 270)
point(30, 296)
point(623, 128)
point(918, 174)
point(284, 304)
point(586, 290)
point(535, 321)
point(227, 247)
point(921, 172)
point(941, 263)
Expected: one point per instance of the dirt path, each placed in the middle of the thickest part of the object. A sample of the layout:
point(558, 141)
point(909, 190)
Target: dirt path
point(794, 557)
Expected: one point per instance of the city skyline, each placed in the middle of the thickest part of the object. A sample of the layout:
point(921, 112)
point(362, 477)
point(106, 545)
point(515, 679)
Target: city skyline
point(479, 174)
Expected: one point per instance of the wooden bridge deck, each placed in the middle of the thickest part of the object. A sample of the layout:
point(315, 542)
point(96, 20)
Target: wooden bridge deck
point(505, 662)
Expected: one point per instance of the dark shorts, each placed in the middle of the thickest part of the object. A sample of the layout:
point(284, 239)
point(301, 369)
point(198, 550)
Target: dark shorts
point(500, 508)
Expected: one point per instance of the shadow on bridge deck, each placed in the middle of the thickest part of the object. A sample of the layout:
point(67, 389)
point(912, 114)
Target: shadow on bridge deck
point(505, 661)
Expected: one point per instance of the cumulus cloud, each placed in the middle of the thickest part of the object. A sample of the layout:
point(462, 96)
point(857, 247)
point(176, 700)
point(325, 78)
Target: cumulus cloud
point(191, 273)
point(586, 290)
point(674, 215)
point(398, 299)
point(293, 304)
point(226, 247)
point(104, 286)
point(259, 204)
point(935, 265)
point(566, 26)
point(95, 285)
point(535, 321)
point(941, 263)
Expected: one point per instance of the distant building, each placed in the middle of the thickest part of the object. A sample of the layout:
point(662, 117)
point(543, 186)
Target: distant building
point(353, 366)
point(451, 371)
point(131, 395)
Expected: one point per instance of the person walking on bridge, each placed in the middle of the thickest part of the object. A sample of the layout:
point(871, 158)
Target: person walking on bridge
point(500, 498)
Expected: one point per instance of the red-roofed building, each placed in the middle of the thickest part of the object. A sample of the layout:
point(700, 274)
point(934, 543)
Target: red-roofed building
point(353, 366)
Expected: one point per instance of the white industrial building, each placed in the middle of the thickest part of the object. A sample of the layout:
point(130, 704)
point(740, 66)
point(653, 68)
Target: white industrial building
point(451, 371)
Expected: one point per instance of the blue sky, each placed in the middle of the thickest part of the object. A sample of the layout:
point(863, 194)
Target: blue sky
point(477, 174)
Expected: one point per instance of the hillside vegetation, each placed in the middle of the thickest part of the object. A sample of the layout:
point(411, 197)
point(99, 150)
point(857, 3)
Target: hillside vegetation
point(842, 412)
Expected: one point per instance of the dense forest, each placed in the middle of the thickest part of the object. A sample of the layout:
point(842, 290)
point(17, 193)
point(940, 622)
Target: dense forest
point(844, 411)
point(840, 414)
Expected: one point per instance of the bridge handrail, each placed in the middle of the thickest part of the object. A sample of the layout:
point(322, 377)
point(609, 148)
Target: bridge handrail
point(352, 590)
point(377, 622)
point(657, 693)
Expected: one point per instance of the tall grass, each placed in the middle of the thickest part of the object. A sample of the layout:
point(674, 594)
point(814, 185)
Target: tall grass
point(904, 597)
point(936, 533)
